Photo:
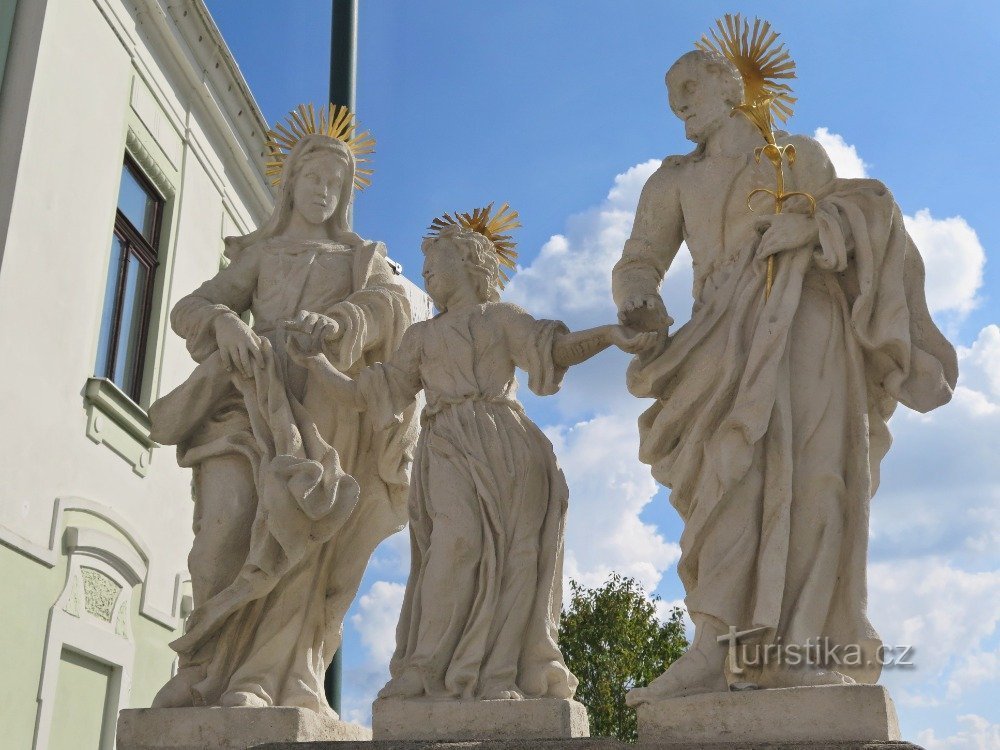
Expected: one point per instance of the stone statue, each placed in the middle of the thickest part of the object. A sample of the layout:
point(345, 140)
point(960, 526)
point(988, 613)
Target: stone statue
point(487, 500)
point(770, 417)
point(293, 490)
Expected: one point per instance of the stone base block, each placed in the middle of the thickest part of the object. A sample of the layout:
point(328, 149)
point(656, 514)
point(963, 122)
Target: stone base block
point(211, 728)
point(443, 720)
point(592, 743)
point(807, 715)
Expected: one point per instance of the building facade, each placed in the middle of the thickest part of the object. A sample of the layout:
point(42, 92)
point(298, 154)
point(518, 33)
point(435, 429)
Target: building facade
point(131, 145)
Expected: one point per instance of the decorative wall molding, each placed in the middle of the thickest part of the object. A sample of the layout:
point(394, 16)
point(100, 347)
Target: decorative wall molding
point(139, 562)
point(92, 616)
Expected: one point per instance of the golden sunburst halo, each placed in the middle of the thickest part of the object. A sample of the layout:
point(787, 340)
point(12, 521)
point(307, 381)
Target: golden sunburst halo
point(493, 226)
point(333, 121)
point(761, 61)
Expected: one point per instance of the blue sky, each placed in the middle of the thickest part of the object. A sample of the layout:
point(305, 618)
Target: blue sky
point(559, 108)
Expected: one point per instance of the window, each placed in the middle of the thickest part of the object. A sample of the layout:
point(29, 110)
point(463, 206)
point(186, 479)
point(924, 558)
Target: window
point(128, 295)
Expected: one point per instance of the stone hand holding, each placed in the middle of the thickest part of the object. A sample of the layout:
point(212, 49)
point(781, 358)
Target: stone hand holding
point(317, 329)
point(631, 341)
point(789, 231)
point(239, 346)
point(644, 313)
point(307, 357)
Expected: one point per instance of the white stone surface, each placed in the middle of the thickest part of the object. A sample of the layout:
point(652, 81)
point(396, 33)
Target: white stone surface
point(293, 489)
point(450, 720)
point(770, 419)
point(832, 713)
point(237, 728)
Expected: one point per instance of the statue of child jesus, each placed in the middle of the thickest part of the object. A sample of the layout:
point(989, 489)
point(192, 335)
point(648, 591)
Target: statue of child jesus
point(487, 502)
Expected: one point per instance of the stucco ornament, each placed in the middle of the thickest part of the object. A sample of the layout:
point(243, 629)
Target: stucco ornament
point(771, 411)
point(293, 490)
point(488, 502)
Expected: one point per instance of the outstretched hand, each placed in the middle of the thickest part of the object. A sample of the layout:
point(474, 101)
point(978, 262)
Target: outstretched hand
point(632, 341)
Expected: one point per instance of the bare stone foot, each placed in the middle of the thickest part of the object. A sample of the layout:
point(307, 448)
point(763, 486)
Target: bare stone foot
point(176, 693)
point(782, 677)
point(242, 699)
point(509, 694)
point(408, 685)
point(692, 674)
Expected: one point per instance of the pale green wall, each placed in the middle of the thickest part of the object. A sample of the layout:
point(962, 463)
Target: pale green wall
point(81, 696)
point(28, 590)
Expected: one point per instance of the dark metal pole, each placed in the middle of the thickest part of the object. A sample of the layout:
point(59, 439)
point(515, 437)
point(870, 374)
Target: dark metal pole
point(344, 52)
point(343, 79)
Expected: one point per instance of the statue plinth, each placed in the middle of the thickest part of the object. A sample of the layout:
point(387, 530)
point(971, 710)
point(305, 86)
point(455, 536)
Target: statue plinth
point(216, 727)
point(807, 715)
point(458, 720)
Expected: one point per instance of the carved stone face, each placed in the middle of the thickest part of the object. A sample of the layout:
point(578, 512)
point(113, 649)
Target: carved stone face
point(317, 187)
point(699, 96)
point(445, 271)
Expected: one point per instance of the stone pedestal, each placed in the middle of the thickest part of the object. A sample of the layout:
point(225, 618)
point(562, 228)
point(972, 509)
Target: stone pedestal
point(808, 715)
point(444, 720)
point(211, 728)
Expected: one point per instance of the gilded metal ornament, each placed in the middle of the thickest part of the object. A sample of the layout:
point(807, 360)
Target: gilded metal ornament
point(333, 121)
point(493, 226)
point(762, 63)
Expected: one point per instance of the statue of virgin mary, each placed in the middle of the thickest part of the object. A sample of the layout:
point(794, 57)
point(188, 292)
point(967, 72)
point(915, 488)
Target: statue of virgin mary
point(292, 491)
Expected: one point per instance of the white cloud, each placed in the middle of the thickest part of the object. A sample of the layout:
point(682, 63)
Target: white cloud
point(947, 615)
point(978, 733)
point(954, 259)
point(940, 493)
point(845, 157)
point(374, 617)
point(608, 490)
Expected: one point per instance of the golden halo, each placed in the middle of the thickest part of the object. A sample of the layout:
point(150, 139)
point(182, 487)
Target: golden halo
point(761, 62)
point(334, 121)
point(493, 226)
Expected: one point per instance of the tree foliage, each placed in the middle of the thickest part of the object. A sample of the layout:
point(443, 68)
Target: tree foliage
point(612, 641)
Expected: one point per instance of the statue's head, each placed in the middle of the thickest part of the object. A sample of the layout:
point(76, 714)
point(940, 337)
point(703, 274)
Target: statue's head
point(703, 88)
point(318, 182)
point(457, 256)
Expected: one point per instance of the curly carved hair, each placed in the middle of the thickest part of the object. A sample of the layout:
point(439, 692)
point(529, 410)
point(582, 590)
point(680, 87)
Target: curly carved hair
point(480, 255)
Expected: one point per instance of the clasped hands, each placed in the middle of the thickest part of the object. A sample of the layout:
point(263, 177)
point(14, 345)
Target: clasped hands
point(244, 351)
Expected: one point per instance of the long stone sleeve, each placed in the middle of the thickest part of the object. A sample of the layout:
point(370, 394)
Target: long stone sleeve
point(230, 290)
point(371, 319)
point(656, 236)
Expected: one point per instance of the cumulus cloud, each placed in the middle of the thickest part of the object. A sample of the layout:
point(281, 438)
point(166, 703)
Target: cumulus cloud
point(954, 259)
point(977, 733)
point(845, 158)
point(374, 617)
point(947, 615)
point(940, 491)
point(609, 488)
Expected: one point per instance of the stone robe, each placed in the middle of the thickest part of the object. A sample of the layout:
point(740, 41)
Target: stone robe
point(770, 418)
point(487, 506)
point(292, 491)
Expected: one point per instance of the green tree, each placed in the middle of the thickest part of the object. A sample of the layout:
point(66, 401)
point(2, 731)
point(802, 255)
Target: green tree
point(612, 641)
